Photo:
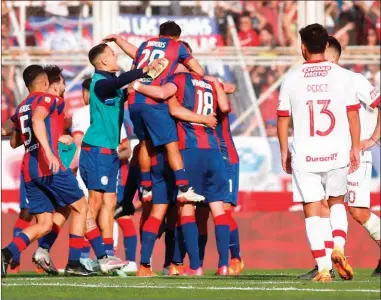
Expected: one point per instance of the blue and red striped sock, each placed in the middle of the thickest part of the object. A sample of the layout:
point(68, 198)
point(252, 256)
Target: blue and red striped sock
point(109, 246)
point(18, 244)
point(181, 177)
point(95, 239)
point(86, 248)
point(19, 226)
point(190, 233)
point(75, 248)
point(180, 251)
point(48, 240)
point(234, 245)
point(222, 230)
point(130, 238)
point(145, 179)
point(149, 235)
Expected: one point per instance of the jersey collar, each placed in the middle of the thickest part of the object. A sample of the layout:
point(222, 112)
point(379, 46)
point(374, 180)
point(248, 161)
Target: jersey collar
point(314, 61)
point(105, 73)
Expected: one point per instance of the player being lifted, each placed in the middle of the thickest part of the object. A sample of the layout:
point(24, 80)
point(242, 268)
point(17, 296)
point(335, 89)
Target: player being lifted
point(201, 155)
point(359, 182)
point(99, 161)
point(152, 123)
point(321, 98)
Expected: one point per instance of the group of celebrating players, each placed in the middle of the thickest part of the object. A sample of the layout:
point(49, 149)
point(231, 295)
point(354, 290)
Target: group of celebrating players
point(185, 164)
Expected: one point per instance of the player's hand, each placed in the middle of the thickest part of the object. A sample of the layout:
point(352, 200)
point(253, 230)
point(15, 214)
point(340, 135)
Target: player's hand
point(155, 68)
point(355, 160)
point(66, 139)
point(211, 120)
point(111, 38)
point(54, 163)
point(366, 144)
point(286, 162)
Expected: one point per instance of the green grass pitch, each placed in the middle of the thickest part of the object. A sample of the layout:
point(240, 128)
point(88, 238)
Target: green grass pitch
point(251, 284)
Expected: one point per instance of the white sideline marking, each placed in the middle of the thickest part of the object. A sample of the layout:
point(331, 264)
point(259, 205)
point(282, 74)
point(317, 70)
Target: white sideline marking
point(194, 287)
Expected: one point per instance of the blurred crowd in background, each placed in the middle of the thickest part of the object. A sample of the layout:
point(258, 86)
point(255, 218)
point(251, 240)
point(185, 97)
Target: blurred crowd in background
point(258, 23)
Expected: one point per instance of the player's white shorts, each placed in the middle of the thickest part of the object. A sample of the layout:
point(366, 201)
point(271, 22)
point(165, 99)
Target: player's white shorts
point(312, 187)
point(81, 184)
point(358, 186)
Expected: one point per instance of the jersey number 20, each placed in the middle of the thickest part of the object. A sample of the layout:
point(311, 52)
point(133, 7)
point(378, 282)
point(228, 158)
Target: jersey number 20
point(205, 103)
point(324, 110)
point(155, 54)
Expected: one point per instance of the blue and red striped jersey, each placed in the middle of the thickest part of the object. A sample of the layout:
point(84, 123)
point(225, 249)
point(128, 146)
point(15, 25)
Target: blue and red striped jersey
point(127, 133)
point(198, 95)
point(174, 51)
point(224, 133)
point(35, 163)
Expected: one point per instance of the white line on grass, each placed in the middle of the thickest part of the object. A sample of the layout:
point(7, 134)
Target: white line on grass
point(195, 287)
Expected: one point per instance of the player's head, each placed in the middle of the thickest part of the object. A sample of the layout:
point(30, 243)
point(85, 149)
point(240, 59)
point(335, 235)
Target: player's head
point(56, 80)
point(35, 79)
point(86, 90)
point(170, 29)
point(333, 52)
point(180, 67)
point(102, 57)
point(314, 40)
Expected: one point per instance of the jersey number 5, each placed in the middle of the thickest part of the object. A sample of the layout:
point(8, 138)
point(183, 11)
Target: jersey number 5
point(205, 103)
point(25, 130)
point(156, 53)
point(324, 110)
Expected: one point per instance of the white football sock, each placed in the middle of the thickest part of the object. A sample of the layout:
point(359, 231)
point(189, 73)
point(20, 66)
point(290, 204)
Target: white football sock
point(373, 227)
point(115, 234)
point(339, 224)
point(328, 239)
point(316, 239)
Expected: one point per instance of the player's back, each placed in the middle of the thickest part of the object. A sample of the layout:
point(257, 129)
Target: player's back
point(198, 95)
point(224, 134)
point(319, 95)
point(35, 163)
point(161, 47)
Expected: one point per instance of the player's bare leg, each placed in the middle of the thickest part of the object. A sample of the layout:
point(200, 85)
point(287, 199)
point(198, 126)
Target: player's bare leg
point(149, 234)
point(41, 256)
point(175, 160)
point(236, 263)
point(202, 216)
point(371, 223)
point(145, 169)
point(339, 224)
point(222, 230)
point(28, 235)
point(106, 221)
point(315, 237)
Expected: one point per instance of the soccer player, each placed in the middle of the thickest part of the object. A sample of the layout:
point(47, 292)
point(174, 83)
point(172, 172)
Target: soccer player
point(99, 162)
point(200, 151)
point(321, 98)
point(152, 123)
point(358, 195)
point(47, 182)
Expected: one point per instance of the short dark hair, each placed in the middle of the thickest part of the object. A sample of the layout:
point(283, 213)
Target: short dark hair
point(54, 73)
point(186, 44)
point(31, 72)
point(86, 84)
point(314, 37)
point(334, 43)
point(170, 28)
point(95, 51)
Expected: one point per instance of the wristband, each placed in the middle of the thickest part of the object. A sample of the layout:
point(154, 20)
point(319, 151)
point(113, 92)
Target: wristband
point(136, 85)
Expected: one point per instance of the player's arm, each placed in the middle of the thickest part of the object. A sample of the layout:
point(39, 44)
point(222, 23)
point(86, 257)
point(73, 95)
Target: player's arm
point(103, 88)
point(195, 66)
point(124, 150)
point(369, 143)
point(222, 98)
point(125, 46)
point(156, 92)
point(183, 114)
point(39, 129)
point(355, 131)
point(229, 88)
point(7, 128)
point(15, 140)
point(77, 134)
